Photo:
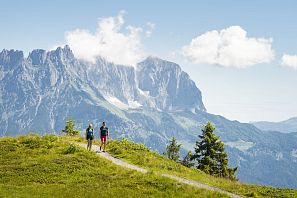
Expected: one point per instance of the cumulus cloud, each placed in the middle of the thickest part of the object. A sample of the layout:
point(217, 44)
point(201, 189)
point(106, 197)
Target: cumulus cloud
point(112, 40)
point(289, 61)
point(229, 47)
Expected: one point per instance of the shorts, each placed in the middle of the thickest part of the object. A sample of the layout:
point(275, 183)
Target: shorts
point(103, 138)
point(90, 137)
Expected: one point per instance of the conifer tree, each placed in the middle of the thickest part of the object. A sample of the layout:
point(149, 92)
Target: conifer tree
point(70, 127)
point(187, 161)
point(172, 150)
point(211, 156)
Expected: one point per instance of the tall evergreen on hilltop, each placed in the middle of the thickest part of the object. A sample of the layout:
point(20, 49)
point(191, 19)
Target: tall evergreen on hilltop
point(211, 156)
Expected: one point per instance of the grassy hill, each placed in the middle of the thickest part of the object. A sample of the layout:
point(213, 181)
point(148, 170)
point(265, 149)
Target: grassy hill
point(53, 166)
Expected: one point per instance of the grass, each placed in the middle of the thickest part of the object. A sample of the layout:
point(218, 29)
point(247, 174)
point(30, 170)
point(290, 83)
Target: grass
point(139, 155)
point(52, 166)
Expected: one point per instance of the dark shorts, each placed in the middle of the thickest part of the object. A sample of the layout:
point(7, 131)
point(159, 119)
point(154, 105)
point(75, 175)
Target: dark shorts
point(103, 138)
point(90, 137)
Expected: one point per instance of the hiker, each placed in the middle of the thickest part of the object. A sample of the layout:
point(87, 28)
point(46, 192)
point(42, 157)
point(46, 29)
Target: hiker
point(89, 136)
point(103, 135)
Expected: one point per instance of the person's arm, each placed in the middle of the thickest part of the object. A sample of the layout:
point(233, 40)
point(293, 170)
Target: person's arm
point(86, 133)
point(107, 132)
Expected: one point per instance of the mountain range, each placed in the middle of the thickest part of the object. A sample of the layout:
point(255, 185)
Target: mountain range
point(286, 126)
point(148, 103)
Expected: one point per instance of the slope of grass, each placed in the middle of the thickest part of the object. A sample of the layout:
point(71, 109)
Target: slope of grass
point(139, 155)
point(51, 166)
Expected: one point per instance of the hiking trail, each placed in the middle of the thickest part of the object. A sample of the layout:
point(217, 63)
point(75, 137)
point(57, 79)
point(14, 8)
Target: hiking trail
point(120, 162)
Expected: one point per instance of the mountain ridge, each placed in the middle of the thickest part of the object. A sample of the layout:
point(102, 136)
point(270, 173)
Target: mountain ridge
point(286, 126)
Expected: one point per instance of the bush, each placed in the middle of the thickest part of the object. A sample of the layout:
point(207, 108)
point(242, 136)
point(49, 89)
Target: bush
point(125, 143)
point(36, 141)
point(116, 150)
point(252, 194)
point(49, 141)
point(31, 141)
point(72, 148)
point(50, 138)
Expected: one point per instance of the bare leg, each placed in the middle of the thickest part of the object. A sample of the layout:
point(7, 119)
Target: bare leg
point(91, 144)
point(101, 145)
point(104, 143)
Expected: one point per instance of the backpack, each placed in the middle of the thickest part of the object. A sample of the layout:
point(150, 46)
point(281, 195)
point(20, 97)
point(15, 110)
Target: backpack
point(90, 131)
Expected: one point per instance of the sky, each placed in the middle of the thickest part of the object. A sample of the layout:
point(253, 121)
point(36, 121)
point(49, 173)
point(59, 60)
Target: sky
point(241, 54)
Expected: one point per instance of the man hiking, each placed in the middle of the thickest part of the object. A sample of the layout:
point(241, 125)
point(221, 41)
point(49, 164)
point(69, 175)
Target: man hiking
point(103, 135)
point(89, 136)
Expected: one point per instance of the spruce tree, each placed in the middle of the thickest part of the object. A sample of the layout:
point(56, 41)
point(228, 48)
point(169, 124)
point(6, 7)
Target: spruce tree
point(187, 161)
point(172, 150)
point(211, 156)
point(70, 127)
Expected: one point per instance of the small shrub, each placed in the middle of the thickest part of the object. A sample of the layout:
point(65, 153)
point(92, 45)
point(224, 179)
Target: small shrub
point(126, 144)
point(8, 147)
point(72, 148)
point(50, 138)
point(116, 150)
point(252, 194)
point(31, 141)
point(48, 141)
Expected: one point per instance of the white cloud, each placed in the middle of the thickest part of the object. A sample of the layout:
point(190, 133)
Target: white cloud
point(289, 61)
point(112, 40)
point(229, 47)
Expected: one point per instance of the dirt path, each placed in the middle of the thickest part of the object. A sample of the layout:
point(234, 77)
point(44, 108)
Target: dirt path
point(119, 162)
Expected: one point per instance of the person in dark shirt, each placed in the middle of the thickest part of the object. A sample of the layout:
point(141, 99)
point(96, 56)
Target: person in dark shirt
point(89, 136)
point(103, 135)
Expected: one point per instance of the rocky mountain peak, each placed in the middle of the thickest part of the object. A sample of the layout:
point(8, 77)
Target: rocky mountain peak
point(61, 54)
point(168, 85)
point(37, 56)
point(11, 57)
point(156, 63)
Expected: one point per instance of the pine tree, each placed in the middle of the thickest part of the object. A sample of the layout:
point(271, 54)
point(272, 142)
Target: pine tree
point(70, 128)
point(211, 156)
point(172, 150)
point(187, 161)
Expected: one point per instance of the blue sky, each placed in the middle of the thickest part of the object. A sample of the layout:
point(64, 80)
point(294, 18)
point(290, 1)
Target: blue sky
point(264, 90)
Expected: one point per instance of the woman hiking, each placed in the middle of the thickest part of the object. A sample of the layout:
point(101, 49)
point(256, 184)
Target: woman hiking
point(103, 135)
point(89, 136)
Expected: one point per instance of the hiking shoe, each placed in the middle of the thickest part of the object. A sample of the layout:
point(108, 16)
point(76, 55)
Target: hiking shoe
point(104, 151)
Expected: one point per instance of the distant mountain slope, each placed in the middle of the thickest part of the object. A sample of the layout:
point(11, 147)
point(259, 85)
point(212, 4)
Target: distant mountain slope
point(147, 104)
point(286, 126)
